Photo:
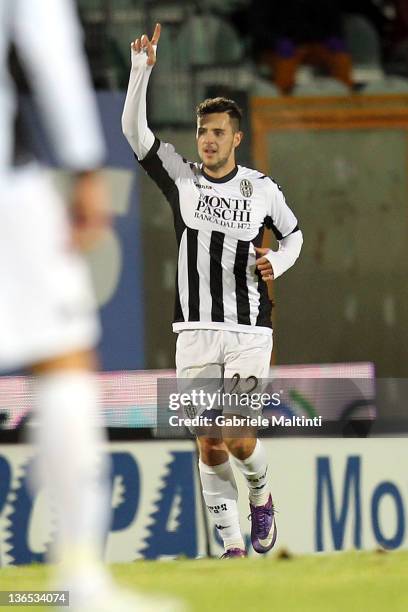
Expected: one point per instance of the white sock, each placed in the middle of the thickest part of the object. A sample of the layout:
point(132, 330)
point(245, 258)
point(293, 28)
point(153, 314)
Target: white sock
point(255, 471)
point(72, 464)
point(220, 495)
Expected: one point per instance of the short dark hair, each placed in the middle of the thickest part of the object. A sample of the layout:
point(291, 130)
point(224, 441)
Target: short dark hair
point(220, 105)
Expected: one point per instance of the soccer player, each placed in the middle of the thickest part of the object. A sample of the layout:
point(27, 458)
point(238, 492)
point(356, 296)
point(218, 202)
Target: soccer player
point(222, 308)
point(48, 320)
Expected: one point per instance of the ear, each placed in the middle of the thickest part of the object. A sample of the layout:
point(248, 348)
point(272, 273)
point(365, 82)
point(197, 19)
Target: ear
point(238, 136)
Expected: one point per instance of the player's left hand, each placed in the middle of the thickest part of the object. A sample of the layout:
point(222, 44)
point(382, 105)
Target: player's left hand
point(264, 265)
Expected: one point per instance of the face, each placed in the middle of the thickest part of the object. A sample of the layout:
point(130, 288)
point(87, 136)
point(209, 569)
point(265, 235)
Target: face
point(217, 140)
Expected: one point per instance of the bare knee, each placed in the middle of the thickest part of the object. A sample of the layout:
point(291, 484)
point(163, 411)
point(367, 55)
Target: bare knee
point(213, 451)
point(79, 360)
point(241, 448)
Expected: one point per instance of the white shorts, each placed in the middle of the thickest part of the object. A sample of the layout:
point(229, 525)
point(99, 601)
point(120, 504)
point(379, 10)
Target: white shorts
point(47, 307)
point(216, 357)
point(214, 353)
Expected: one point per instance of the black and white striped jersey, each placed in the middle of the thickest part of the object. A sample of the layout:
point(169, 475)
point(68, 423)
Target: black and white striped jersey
point(218, 224)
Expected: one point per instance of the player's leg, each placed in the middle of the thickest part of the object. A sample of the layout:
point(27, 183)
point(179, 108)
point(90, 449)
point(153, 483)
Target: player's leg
point(48, 322)
point(333, 55)
point(249, 356)
point(250, 458)
point(284, 62)
point(74, 466)
point(221, 494)
point(198, 359)
point(49, 325)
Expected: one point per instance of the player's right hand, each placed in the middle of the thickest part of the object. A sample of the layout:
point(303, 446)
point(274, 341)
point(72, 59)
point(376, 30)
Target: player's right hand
point(147, 46)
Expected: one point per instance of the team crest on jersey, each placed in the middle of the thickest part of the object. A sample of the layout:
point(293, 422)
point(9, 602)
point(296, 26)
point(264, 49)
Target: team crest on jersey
point(246, 188)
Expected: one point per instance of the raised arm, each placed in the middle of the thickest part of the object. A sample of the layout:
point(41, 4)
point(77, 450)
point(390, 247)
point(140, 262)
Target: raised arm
point(134, 120)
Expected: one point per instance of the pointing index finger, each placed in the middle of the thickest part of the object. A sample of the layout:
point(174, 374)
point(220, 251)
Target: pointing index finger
point(156, 34)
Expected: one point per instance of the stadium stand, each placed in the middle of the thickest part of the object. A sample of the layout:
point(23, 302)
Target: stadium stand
point(364, 45)
point(320, 86)
point(387, 85)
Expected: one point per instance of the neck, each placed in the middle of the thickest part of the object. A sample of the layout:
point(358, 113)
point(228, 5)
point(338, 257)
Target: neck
point(220, 172)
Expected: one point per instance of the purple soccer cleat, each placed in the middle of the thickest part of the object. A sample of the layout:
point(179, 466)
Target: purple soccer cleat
point(263, 530)
point(233, 553)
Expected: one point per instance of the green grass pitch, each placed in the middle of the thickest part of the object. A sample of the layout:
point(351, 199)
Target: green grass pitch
point(340, 582)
